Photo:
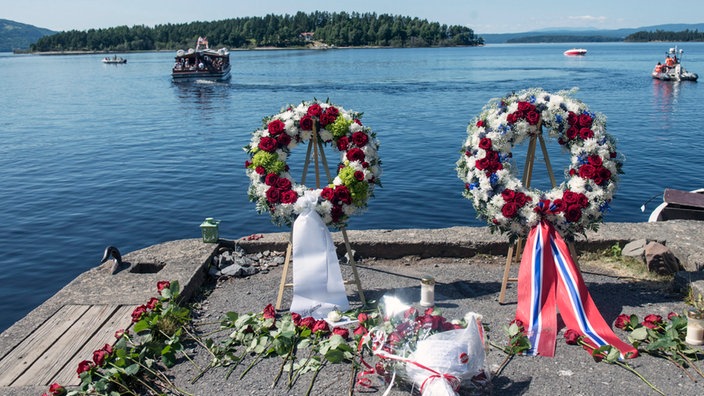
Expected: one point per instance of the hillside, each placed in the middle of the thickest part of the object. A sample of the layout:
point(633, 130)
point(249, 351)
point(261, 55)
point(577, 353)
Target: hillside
point(567, 35)
point(15, 35)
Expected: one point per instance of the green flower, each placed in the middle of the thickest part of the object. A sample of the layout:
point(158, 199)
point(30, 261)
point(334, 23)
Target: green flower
point(269, 161)
point(340, 127)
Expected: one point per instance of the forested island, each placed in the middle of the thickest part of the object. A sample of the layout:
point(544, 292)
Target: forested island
point(279, 31)
point(662, 35)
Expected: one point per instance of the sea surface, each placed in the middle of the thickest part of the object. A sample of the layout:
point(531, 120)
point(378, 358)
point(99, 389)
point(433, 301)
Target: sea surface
point(95, 155)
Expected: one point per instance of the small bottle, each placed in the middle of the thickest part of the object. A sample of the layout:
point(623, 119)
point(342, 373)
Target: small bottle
point(427, 291)
point(695, 327)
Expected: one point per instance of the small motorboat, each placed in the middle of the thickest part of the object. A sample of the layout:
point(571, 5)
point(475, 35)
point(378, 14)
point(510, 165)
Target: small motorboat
point(575, 52)
point(114, 60)
point(201, 63)
point(679, 205)
point(672, 69)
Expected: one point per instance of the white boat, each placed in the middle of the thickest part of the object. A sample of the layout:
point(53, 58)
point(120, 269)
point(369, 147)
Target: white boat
point(672, 69)
point(679, 205)
point(114, 60)
point(575, 52)
point(201, 63)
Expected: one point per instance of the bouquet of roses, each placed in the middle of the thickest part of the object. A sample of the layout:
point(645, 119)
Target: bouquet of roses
point(426, 350)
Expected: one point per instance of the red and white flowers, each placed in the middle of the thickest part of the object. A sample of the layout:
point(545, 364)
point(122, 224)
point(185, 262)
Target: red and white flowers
point(273, 188)
point(500, 197)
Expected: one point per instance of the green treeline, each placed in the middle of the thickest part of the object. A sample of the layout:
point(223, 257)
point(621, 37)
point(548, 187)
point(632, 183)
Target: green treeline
point(662, 35)
point(339, 29)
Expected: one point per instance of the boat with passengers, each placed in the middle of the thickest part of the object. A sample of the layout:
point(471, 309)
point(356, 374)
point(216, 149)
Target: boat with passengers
point(201, 63)
point(672, 69)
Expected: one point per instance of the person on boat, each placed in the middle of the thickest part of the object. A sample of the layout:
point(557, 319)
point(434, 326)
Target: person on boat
point(658, 68)
point(670, 62)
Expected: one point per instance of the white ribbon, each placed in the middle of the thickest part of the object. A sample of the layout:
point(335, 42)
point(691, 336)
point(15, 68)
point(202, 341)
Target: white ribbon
point(318, 287)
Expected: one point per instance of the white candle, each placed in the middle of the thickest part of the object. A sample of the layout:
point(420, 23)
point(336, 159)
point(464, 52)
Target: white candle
point(427, 291)
point(695, 327)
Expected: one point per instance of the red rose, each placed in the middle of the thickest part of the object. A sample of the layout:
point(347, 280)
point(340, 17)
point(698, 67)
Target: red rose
point(341, 331)
point(586, 133)
point(559, 205)
point(481, 164)
point(151, 304)
point(283, 183)
point(524, 106)
point(289, 197)
point(107, 348)
point(343, 143)
point(522, 199)
point(332, 111)
point(485, 143)
point(308, 322)
point(355, 154)
point(275, 127)
point(326, 119)
point(362, 317)
point(572, 118)
point(260, 170)
point(271, 179)
point(533, 117)
point(273, 195)
point(572, 337)
point(570, 197)
point(585, 120)
point(267, 144)
point(138, 312)
point(480, 124)
point(511, 118)
point(306, 123)
point(120, 333)
point(320, 326)
point(650, 325)
point(269, 312)
point(672, 315)
point(84, 366)
point(518, 323)
point(510, 209)
point(336, 213)
point(622, 321)
point(359, 175)
point(283, 140)
point(315, 110)
point(595, 160)
point(492, 156)
point(572, 132)
point(508, 195)
point(582, 200)
point(342, 194)
point(99, 357)
point(360, 331)
point(328, 194)
point(161, 285)
point(604, 173)
point(360, 139)
point(587, 171)
point(296, 318)
point(573, 213)
point(57, 390)
point(652, 318)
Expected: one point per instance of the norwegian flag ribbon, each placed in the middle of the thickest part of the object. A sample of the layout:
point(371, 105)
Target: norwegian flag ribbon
point(548, 279)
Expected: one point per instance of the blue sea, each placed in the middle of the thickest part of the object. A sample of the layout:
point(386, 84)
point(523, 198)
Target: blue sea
point(95, 155)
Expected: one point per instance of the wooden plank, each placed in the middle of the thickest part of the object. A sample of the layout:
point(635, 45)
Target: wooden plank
point(15, 363)
point(684, 198)
point(66, 346)
point(120, 319)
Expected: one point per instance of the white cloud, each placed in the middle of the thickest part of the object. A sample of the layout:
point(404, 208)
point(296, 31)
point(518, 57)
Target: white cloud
point(588, 18)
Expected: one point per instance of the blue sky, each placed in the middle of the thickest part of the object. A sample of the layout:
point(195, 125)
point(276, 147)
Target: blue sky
point(495, 16)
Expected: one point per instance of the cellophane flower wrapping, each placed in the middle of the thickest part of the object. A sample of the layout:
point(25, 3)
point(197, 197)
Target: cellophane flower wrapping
point(433, 354)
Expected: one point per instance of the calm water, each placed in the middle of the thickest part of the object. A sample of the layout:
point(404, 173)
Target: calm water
point(95, 155)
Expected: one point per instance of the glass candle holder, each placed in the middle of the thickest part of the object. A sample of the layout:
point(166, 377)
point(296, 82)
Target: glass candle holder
point(427, 291)
point(695, 327)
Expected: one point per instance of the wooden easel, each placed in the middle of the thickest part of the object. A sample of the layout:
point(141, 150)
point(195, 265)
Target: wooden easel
point(316, 146)
point(515, 250)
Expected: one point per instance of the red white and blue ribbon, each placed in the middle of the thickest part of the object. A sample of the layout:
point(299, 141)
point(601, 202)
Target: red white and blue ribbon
point(548, 279)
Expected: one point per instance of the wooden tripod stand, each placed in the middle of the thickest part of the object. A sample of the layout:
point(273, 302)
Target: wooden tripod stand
point(515, 250)
point(316, 147)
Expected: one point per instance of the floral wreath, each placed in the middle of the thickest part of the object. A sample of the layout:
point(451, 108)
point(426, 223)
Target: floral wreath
point(500, 198)
point(271, 184)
